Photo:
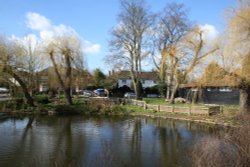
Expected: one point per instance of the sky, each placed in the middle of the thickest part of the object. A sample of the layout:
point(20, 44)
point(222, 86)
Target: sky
point(92, 20)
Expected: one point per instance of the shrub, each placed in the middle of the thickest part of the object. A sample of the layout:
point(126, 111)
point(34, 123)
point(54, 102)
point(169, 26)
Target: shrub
point(229, 149)
point(67, 109)
point(13, 104)
point(42, 99)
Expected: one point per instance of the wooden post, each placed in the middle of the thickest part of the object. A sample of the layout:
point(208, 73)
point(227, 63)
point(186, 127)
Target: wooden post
point(221, 109)
point(158, 108)
point(189, 112)
point(172, 110)
point(145, 106)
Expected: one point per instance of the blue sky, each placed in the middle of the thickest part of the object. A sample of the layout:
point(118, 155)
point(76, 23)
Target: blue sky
point(92, 20)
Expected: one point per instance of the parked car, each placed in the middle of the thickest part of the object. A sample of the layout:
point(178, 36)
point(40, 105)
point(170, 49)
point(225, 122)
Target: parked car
point(130, 95)
point(87, 93)
point(100, 92)
point(4, 92)
point(153, 95)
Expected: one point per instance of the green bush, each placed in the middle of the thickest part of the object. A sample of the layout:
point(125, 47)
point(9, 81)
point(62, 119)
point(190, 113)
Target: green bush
point(73, 109)
point(42, 99)
point(117, 108)
point(13, 104)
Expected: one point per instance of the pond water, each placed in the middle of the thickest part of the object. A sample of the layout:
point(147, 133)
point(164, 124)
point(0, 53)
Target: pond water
point(97, 141)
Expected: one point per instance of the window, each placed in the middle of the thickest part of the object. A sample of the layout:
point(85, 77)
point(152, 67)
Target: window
point(43, 87)
point(124, 81)
point(225, 89)
point(194, 90)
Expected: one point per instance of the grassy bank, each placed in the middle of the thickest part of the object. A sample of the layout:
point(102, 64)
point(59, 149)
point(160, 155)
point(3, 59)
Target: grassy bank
point(161, 101)
point(107, 107)
point(218, 119)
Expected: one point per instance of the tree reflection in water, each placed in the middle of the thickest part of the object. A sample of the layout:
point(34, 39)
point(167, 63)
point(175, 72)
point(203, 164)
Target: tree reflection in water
point(96, 141)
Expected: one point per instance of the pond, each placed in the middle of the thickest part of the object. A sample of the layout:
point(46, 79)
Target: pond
point(97, 141)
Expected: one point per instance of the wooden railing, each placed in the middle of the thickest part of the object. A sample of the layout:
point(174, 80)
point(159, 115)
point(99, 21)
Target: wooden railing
point(201, 110)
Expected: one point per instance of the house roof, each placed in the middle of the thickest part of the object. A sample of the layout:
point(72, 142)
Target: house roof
point(50, 69)
point(126, 75)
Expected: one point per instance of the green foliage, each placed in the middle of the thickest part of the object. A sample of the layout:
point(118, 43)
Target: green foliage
point(99, 77)
point(162, 88)
point(64, 109)
point(12, 105)
point(42, 99)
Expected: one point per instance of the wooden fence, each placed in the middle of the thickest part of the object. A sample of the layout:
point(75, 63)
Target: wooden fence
point(200, 110)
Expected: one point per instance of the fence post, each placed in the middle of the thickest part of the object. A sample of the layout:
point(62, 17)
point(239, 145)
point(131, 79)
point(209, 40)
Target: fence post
point(172, 110)
point(221, 109)
point(158, 108)
point(189, 112)
point(145, 106)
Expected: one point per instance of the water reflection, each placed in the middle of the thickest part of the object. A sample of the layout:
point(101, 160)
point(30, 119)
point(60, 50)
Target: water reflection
point(96, 141)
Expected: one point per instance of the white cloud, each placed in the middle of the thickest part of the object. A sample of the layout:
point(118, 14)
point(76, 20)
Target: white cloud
point(210, 32)
point(36, 21)
point(29, 40)
point(91, 48)
point(47, 30)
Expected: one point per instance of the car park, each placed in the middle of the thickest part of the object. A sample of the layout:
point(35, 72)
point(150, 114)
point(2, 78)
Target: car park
point(130, 95)
point(87, 93)
point(100, 92)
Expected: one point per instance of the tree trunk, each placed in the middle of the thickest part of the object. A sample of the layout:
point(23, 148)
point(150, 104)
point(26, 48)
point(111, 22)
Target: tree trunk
point(195, 96)
point(245, 100)
point(67, 90)
point(66, 87)
point(25, 90)
point(168, 92)
point(67, 93)
point(173, 93)
point(139, 88)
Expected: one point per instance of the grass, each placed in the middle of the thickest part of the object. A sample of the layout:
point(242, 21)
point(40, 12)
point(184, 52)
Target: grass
point(218, 118)
point(161, 101)
point(230, 110)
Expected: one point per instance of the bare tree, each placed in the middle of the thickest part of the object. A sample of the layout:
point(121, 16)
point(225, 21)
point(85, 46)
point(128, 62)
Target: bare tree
point(33, 60)
point(65, 54)
point(12, 63)
point(194, 50)
point(171, 27)
point(128, 40)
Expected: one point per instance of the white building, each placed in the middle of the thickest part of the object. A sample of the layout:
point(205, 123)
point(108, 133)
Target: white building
point(148, 79)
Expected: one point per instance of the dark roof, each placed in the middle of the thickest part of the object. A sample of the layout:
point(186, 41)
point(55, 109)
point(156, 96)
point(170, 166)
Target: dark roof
point(126, 75)
point(50, 69)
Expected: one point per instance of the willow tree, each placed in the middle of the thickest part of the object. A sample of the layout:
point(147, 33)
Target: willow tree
point(212, 73)
point(237, 49)
point(12, 64)
point(171, 27)
point(65, 54)
point(195, 48)
point(128, 44)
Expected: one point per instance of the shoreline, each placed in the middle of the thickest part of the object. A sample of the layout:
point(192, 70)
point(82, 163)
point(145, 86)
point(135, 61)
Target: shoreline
point(186, 119)
point(131, 113)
